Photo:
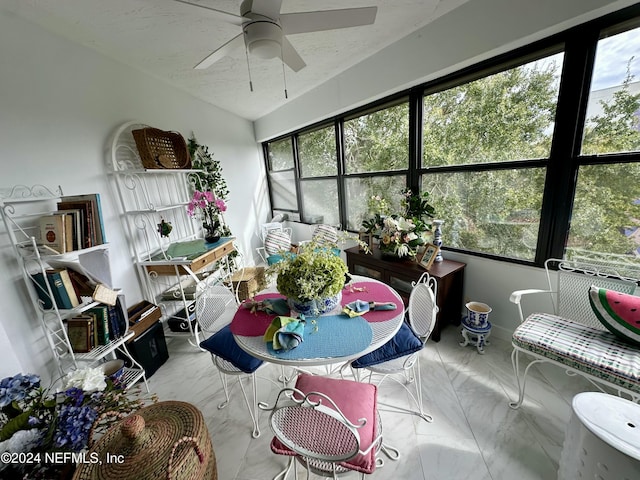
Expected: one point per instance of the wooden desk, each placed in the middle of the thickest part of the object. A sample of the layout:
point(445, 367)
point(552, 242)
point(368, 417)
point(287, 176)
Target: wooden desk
point(399, 275)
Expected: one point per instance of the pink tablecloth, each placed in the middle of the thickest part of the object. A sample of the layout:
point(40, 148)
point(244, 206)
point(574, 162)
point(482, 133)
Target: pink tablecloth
point(255, 324)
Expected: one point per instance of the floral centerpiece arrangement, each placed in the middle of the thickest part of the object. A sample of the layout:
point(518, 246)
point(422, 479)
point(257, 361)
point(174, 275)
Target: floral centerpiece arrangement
point(402, 233)
point(210, 209)
point(312, 279)
point(37, 426)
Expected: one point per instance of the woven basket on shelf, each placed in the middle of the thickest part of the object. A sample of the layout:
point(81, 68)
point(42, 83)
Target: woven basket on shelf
point(161, 149)
point(164, 440)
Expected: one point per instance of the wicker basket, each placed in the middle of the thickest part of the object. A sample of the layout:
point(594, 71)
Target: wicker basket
point(167, 440)
point(161, 149)
point(248, 281)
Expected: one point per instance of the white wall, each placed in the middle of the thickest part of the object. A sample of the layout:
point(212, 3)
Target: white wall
point(475, 31)
point(59, 104)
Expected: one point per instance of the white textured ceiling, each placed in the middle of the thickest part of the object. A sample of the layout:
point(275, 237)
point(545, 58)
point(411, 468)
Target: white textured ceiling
point(165, 38)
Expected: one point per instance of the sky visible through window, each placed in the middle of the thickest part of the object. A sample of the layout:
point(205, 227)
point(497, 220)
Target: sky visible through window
point(611, 59)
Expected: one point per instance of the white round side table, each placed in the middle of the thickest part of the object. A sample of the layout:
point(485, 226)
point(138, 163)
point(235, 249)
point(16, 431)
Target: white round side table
point(602, 439)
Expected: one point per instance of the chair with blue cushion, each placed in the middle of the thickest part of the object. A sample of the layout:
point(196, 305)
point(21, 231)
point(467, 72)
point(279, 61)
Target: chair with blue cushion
point(401, 354)
point(226, 355)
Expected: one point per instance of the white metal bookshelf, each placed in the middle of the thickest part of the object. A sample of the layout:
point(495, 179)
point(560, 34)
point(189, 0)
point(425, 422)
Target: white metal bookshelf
point(21, 209)
point(148, 196)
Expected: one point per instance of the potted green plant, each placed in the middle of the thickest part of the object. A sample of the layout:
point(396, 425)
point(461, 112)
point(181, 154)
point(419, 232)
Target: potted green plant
point(312, 280)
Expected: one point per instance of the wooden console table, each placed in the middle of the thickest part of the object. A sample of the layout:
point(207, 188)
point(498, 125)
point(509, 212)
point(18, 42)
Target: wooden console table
point(399, 274)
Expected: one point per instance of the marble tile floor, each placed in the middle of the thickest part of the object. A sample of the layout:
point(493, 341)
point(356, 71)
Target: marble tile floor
point(474, 433)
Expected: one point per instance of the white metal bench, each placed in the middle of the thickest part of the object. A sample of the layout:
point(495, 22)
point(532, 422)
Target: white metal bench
point(572, 337)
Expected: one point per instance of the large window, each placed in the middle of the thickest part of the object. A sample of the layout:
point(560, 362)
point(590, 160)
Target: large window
point(318, 161)
point(493, 211)
point(493, 120)
point(377, 141)
point(282, 182)
point(361, 189)
point(613, 111)
point(531, 155)
point(376, 159)
point(606, 211)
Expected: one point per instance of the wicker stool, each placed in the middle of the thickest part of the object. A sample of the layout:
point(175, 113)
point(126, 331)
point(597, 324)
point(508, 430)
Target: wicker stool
point(164, 440)
point(602, 439)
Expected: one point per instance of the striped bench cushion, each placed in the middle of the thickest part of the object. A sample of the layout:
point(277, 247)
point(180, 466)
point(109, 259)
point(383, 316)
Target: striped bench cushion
point(585, 349)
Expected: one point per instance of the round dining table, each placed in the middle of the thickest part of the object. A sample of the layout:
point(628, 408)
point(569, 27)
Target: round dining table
point(333, 337)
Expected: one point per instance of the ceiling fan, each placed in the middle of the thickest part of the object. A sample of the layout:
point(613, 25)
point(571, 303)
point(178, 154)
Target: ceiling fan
point(264, 29)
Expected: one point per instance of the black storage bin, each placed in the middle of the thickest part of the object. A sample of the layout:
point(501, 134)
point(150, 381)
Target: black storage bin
point(149, 349)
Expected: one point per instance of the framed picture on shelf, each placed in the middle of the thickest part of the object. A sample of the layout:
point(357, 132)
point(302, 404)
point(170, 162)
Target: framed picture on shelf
point(428, 255)
point(367, 238)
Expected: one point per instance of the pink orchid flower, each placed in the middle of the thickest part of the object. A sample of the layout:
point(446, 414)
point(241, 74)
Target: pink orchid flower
point(221, 205)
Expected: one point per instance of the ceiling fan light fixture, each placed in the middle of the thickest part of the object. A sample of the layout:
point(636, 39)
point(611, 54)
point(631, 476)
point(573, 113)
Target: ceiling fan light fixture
point(264, 39)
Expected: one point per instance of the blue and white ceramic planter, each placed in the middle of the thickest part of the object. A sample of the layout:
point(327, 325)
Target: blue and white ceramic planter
point(315, 307)
point(478, 314)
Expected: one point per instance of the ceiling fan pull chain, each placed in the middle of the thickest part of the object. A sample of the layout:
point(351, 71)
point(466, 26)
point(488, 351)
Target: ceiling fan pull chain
point(246, 52)
point(284, 75)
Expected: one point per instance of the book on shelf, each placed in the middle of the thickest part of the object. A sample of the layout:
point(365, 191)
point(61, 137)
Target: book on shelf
point(62, 289)
point(73, 228)
point(41, 290)
point(104, 294)
point(82, 284)
point(91, 212)
point(67, 225)
point(80, 330)
point(117, 320)
point(52, 232)
point(101, 315)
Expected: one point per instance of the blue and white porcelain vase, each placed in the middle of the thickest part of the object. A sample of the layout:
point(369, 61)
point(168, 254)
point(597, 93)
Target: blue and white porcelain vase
point(313, 308)
point(437, 238)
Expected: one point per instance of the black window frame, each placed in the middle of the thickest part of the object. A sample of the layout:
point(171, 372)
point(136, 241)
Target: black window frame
point(579, 46)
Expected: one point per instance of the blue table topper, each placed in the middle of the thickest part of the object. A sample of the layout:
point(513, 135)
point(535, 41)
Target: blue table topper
point(330, 336)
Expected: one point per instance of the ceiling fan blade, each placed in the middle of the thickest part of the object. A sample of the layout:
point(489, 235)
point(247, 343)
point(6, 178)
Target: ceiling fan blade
point(291, 57)
point(267, 8)
point(223, 16)
point(304, 22)
point(223, 51)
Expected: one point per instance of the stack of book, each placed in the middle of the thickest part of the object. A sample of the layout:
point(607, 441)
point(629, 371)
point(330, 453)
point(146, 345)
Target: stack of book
point(77, 224)
point(95, 327)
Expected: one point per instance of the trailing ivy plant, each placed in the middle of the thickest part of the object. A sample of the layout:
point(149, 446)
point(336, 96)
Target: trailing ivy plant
point(211, 176)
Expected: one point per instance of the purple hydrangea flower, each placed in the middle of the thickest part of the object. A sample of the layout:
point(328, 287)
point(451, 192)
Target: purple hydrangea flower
point(74, 424)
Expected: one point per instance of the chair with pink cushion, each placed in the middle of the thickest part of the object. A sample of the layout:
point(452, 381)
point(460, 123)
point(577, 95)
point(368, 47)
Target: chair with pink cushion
point(331, 426)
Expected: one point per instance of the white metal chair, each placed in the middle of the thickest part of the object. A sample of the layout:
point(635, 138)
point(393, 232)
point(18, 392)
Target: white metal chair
point(330, 426)
point(226, 355)
point(401, 354)
point(275, 240)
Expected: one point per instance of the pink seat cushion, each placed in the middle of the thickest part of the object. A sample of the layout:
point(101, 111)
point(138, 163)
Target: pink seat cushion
point(356, 400)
